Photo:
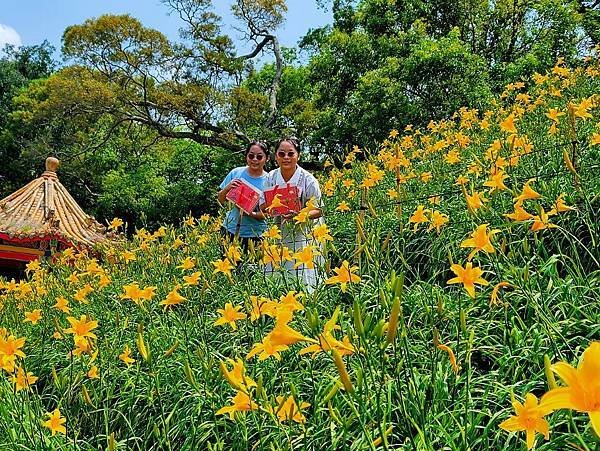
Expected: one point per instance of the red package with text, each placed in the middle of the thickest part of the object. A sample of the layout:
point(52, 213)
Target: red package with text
point(282, 200)
point(244, 196)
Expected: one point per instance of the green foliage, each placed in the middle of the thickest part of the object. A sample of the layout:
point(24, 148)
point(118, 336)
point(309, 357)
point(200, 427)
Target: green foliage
point(19, 67)
point(396, 62)
point(402, 390)
point(162, 187)
point(297, 114)
point(590, 11)
point(109, 115)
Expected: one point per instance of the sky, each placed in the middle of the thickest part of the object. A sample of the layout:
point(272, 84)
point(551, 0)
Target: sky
point(29, 22)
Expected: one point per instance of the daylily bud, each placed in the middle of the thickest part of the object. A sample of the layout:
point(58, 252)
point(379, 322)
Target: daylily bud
point(359, 377)
point(260, 388)
point(360, 229)
point(399, 285)
point(393, 322)
point(294, 390)
point(515, 335)
point(341, 367)
point(170, 351)
point(392, 277)
point(313, 319)
point(86, 396)
point(189, 375)
point(367, 252)
point(334, 389)
point(568, 162)
point(379, 439)
point(372, 210)
point(383, 298)
point(112, 443)
point(440, 305)
point(549, 373)
point(463, 321)
point(141, 345)
point(55, 377)
point(333, 414)
point(386, 242)
point(357, 316)
point(378, 330)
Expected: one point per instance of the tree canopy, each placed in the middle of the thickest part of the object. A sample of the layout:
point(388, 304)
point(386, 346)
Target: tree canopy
point(390, 63)
point(137, 118)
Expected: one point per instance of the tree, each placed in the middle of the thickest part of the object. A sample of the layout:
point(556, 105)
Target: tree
point(186, 89)
point(18, 68)
point(131, 106)
point(296, 114)
point(590, 12)
point(387, 63)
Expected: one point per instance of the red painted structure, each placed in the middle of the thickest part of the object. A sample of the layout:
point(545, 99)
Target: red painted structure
point(42, 218)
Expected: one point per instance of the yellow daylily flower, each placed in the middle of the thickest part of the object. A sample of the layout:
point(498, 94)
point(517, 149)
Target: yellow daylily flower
point(56, 423)
point(582, 391)
point(468, 276)
point(173, 298)
point(529, 418)
point(241, 403)
point(229, 315)
point(344, 275)
point(419, 216)
point(34, 316)
point(125, 356)
point(480, 240)
point(287, 409)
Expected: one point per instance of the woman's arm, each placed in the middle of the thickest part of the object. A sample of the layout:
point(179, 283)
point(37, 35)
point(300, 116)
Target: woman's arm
point(315, 213)
point(258, 215)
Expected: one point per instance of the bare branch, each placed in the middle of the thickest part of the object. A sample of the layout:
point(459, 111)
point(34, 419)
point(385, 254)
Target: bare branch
point(259, 47)
point(275, 83)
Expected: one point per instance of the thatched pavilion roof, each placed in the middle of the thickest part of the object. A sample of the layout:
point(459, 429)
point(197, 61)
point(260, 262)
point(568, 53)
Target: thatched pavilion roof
point(43, 210)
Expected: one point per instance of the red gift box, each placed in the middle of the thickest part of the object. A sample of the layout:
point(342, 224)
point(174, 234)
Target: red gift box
point(289, 197)
point(244, 196)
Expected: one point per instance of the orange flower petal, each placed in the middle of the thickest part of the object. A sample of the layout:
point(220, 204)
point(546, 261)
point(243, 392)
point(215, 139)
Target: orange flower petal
point(558, 398)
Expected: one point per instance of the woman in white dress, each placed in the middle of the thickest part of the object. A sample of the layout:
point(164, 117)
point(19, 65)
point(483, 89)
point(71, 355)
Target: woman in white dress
point(296, 236)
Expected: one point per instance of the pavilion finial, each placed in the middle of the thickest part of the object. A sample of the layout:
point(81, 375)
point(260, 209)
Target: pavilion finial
point(52, 164)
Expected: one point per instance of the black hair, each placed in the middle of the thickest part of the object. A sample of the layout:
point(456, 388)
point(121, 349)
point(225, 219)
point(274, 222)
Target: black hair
point(293, 141)
point(260, 144)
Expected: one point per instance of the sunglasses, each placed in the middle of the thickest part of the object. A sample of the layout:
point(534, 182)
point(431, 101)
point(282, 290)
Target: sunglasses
point(255, 156)
point(289, 154)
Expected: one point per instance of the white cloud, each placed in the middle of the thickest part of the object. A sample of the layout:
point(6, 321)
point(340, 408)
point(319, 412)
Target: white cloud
point(8, 35)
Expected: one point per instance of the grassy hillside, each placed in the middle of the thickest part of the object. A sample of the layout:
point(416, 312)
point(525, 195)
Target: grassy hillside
point(457, 258)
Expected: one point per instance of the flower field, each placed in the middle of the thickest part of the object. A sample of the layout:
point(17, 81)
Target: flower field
point(459, 306)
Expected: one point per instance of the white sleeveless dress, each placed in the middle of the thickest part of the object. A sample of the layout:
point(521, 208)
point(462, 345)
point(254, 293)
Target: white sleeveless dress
point(297, 236)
